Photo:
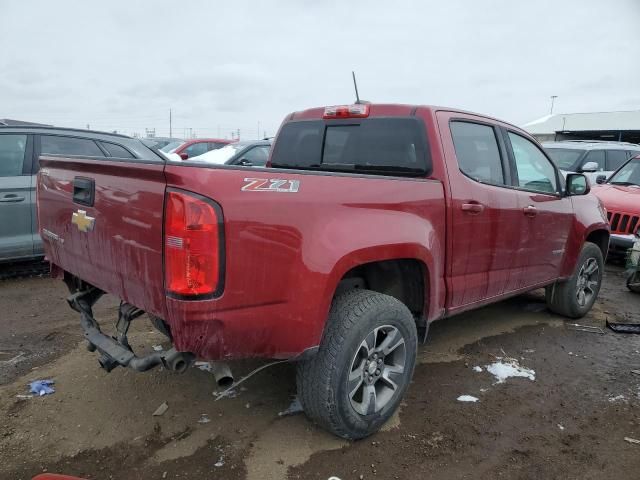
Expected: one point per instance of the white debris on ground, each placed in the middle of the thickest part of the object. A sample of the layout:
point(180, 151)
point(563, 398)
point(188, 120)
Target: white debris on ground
point(233, 393)
point(295, 407)
point(467, 398)
point(477, 369)
point(509, 368)
point(157, 348)
point(219, 463)
point(204, 366)
point(617, 398)
point(561, 427)
point(161, 409)
point(204, 418)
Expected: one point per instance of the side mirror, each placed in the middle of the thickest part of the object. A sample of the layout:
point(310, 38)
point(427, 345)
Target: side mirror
point(245, 163)
point(577, 184)
point(184, 156)
point(589, 167)
point(600, 179)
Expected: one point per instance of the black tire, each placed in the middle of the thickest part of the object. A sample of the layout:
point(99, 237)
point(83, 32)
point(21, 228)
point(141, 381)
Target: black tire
point(357, 318)
point(564, 298)
point(633, 282)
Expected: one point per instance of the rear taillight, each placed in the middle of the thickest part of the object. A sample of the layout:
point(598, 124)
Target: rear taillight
point(193, 245)
point(358, 110)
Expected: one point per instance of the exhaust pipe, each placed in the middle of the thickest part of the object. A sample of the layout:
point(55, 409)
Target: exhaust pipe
point(222, 374)
point(178, 361)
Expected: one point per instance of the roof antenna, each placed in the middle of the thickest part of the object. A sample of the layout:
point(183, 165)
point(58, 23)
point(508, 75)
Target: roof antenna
point(355, 85)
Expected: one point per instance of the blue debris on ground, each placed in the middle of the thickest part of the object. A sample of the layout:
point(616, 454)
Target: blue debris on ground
point(42, 387)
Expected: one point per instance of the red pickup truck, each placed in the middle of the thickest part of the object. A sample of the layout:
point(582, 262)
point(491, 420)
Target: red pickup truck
point(368, 223)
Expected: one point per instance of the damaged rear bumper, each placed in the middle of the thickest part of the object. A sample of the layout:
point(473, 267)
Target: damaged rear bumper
point(116, 351)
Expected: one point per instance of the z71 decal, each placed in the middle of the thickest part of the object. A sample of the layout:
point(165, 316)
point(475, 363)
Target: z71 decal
point(270, 185)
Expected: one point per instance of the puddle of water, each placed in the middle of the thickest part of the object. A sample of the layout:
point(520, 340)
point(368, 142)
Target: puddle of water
point(448, 337)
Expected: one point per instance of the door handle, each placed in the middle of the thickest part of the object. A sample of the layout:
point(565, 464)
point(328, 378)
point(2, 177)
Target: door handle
point(84, 191)
point(12, 198)
point(530, 211)
point(472, 208)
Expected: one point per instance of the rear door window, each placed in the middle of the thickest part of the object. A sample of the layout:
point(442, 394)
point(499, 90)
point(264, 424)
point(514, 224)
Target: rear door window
point(12, 152)
point(59, 145)
point(383, 146)
point(477, 152)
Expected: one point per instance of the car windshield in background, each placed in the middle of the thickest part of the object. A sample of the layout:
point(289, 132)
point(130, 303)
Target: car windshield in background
point(627, 175)
point(385, 146)
point(219, 156)
point(564, 158)
point(171, 146)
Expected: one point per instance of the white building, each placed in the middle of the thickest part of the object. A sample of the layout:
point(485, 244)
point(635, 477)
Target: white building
point(610, 126)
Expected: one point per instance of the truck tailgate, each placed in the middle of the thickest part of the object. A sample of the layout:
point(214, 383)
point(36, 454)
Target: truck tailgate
point(109, 232)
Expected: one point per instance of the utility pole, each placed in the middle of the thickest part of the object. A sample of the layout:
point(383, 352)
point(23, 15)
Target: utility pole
point(553, 100)
point(238, 134)
point(170, 126)
point(88, 127)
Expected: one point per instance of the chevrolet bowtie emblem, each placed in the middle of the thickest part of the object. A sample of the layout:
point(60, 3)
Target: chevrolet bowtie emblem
point(81, 220)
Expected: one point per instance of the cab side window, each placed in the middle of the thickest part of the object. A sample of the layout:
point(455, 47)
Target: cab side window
point(534, 169)
point(477, 152)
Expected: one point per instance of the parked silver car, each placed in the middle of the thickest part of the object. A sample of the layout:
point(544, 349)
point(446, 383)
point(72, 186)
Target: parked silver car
point(591, 157)
point(20, 148)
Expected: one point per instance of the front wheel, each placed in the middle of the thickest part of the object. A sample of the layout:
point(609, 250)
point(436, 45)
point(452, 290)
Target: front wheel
point(363, 367)
point(575, 297)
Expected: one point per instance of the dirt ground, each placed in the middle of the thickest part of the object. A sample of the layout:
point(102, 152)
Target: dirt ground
point(568, 423)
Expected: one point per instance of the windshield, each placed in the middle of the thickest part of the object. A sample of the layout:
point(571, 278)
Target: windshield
point(627, 175)
point(564, 158)
point(170, 147)
point(220, 155)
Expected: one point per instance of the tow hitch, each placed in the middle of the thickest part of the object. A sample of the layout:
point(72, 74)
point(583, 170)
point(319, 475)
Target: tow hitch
point(116, 351)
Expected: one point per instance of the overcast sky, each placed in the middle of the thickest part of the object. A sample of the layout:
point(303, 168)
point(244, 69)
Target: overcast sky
point(236, 64)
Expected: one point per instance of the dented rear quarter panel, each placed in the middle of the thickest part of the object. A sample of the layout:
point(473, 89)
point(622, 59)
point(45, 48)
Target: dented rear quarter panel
point(286, 252)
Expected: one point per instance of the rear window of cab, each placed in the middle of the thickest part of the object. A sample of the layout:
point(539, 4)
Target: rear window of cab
point(394, 146)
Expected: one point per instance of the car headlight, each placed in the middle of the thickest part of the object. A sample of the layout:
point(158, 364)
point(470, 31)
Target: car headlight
point(602, 208)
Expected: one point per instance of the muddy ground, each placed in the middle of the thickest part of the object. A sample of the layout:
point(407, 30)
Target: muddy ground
point(568, 423)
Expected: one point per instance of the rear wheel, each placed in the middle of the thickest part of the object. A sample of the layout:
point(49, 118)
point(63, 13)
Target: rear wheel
point(575, 297)
point(363, 367)
point(633, 282)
